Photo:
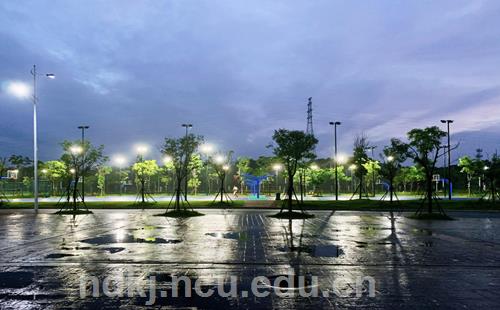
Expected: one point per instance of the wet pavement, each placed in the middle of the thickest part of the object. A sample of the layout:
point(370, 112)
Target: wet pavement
point(414, 264)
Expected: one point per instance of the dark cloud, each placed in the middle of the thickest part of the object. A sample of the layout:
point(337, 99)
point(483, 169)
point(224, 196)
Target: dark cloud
point(135, 70)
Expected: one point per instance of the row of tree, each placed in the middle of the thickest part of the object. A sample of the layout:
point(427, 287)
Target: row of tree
point(184, 167)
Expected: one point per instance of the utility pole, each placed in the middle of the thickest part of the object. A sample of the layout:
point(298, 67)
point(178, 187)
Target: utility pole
point(35, 135)
point(82, 128)
point(448, 122)
point(373, 170)
point(335, 159)
point(187, 126)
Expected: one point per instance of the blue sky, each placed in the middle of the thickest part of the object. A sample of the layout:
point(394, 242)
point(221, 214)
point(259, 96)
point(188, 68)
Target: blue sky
point(135, 70)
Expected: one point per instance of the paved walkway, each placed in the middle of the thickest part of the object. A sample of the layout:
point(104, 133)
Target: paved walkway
point(415, 264)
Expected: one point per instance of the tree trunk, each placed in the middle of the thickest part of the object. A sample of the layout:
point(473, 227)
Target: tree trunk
point(290, 193)
point(178, 195)
point(142, 190)
point(301, 188)
point(493, 191)
point(429, 193)
point(75, 188)
point(222, 188)
point(391, 188)
point(468, 185)
point(360, 186)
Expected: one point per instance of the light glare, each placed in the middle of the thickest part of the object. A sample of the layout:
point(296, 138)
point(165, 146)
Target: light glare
point(18, 89)
point(119, 160)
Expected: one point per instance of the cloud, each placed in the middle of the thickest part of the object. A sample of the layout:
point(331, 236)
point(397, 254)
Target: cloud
point(135, 70)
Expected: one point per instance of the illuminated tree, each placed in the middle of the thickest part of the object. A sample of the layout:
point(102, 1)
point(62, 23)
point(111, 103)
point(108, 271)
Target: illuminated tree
point(57, 171)
point(492, 175)
point(194, 167)
point(143, 171)
point(423, 148)
point(82, 159)
point(394, 155)
point(292, 147)
point(180, 152)
point(359, 160)
point(102, 172)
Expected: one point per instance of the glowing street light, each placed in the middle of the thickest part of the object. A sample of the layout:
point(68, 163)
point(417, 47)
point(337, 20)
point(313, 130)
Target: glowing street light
point(18, 89)
point(45, 171)
point(341, 159)
point(225, 167)
point(335, 161)
point(76, 149)
point(207, 148)
point(390, 158)
point(167, 159)
point(277, 168)
point(219, 159)
point(119, 160)
point(72, 170)
point(22, 91)
point(141, 149)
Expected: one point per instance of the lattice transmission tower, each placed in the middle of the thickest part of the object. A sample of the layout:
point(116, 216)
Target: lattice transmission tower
point(310, 129)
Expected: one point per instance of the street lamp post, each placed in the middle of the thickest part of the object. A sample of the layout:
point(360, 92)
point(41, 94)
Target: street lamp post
point(335, 161)
point(82, 128)
point(187, 126)
point(373, 170)
point(448, 122)
point(207, 150)
point(277, 168)
point(35, 136)
point(120, 161)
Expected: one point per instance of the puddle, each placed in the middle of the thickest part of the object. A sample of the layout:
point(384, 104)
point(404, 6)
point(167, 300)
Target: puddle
point(128, 238)
point(112, 250)
point(229, 235)
point(374, 228)
point(329, 250)
point(16, 279)
point(147, 227)
point(427, 244)
point(59, 255)
point(423, 231)
point(385, 243)
point(362, 244)
point(299, 249)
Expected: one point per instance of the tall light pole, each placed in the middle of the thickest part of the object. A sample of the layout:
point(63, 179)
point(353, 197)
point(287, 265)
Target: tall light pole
point(82, 128)
point(335, 159)
point(120, 162)
point(277, 168)
point(187, 126)
point(448, 122)
point(35, 135)
point(207, 149)
point(373, 170)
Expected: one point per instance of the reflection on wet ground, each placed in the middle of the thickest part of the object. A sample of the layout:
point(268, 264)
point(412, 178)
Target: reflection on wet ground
point(127, 238)
point(420, 264)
